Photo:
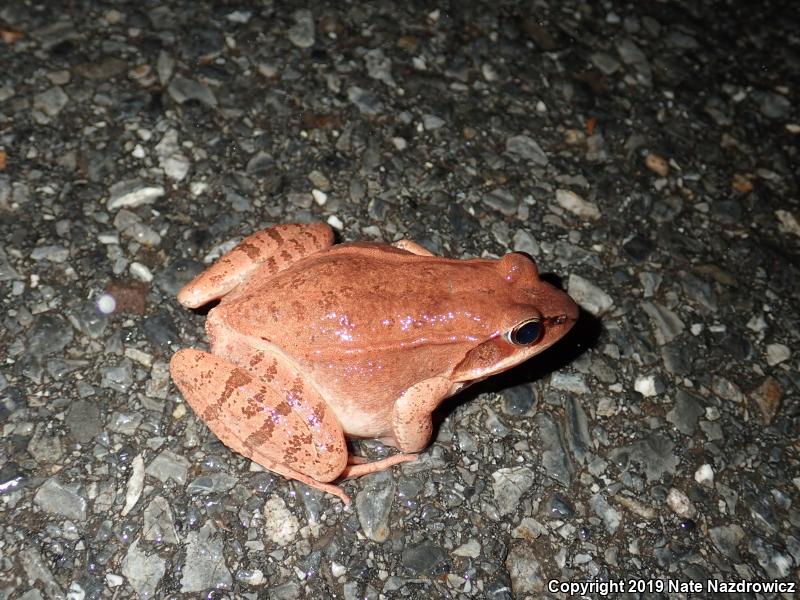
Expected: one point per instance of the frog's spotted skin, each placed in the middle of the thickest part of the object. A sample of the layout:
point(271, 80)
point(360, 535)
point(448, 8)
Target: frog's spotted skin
point(312, 343)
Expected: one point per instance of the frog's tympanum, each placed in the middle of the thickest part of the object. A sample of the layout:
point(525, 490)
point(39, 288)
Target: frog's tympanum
point(312, 343)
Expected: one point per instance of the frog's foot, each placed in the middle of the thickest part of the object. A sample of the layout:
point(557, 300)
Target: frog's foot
point(289, 431)
point(274, 249)
point(359, 465)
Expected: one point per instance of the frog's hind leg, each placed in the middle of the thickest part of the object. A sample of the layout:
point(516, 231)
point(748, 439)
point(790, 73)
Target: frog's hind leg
point(274, 249)
point(287, 429)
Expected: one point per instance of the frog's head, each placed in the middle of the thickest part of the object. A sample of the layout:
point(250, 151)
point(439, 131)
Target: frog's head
point(531, 316)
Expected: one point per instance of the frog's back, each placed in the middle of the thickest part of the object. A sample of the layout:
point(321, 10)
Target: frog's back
point(366, 298)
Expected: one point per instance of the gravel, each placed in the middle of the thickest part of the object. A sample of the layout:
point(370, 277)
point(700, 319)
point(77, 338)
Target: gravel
point(644, 154)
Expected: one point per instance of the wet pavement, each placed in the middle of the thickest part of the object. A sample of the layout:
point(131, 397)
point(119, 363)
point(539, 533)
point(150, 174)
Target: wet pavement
point(645, 154)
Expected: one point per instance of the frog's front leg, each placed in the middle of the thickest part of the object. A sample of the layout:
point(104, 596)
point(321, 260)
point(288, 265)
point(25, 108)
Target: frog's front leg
point(411, 417)
point(272, 249)
point(283, 425)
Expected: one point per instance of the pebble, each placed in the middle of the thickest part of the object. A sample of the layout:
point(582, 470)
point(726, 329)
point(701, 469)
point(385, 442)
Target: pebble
point(133, 490)
point(280, 525)
point(767, 397)
point(726, 389)
point(525, 571)
point(518, 401)
point(523, 241)
point(159, 524)
point(502, 201)
point(657, 164)
point(49, 334)
point(379, 66)
point(649, 385)
point(169, 466)
point(667, 324)
point(132, 193)
point(633, 56)
point(774, 106)
point(526, 148)
point(572, 202)
point(373, 505)
point(45, 445)
point(509, 486)
point(777, 353)
point(215, 482)
point(50, 102)
point(301, 34)
point(140, 272)
point(205, 566)
point(589, 296)
point(119, 377)
point(574, 383)
point(335, 222)
point(172, 161)
point(610, 516)
point(56, 254)
point(469, 549)
point(680, 504)
point(788, 222)
point(777, 565)
point(726, 539)
point(183, 90)
point(605, 62)
point(704, 475)
point(425, 558)
point(7, 272)
point(84, 421)
point(655, 453)
point(577, 430)
point(650, 283)
point(366, 102)
point(640, 509)
point(143, 571)
point(61, 500)
point(555, 461)
point(319, 196)
point(686, 412)
point(432, 122)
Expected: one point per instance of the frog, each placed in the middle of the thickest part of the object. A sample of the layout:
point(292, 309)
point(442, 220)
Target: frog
point(313, 344)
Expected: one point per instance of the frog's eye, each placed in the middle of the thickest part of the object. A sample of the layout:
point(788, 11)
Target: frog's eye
point(526, 333)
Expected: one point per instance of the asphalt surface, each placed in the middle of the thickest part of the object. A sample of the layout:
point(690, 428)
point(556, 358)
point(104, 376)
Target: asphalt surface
point(645, 154)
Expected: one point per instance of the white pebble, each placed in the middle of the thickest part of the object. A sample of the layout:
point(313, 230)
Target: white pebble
point(335, 222)
point(143, 358)
point(108, 238)
point(280, 525)
point(704, 475)
point(646, 385)
point(113, 580)
point(320, 197)
point(138, 151)
point(569, 200)
point(140, 272)
point(337, 570)
point(198, 187)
